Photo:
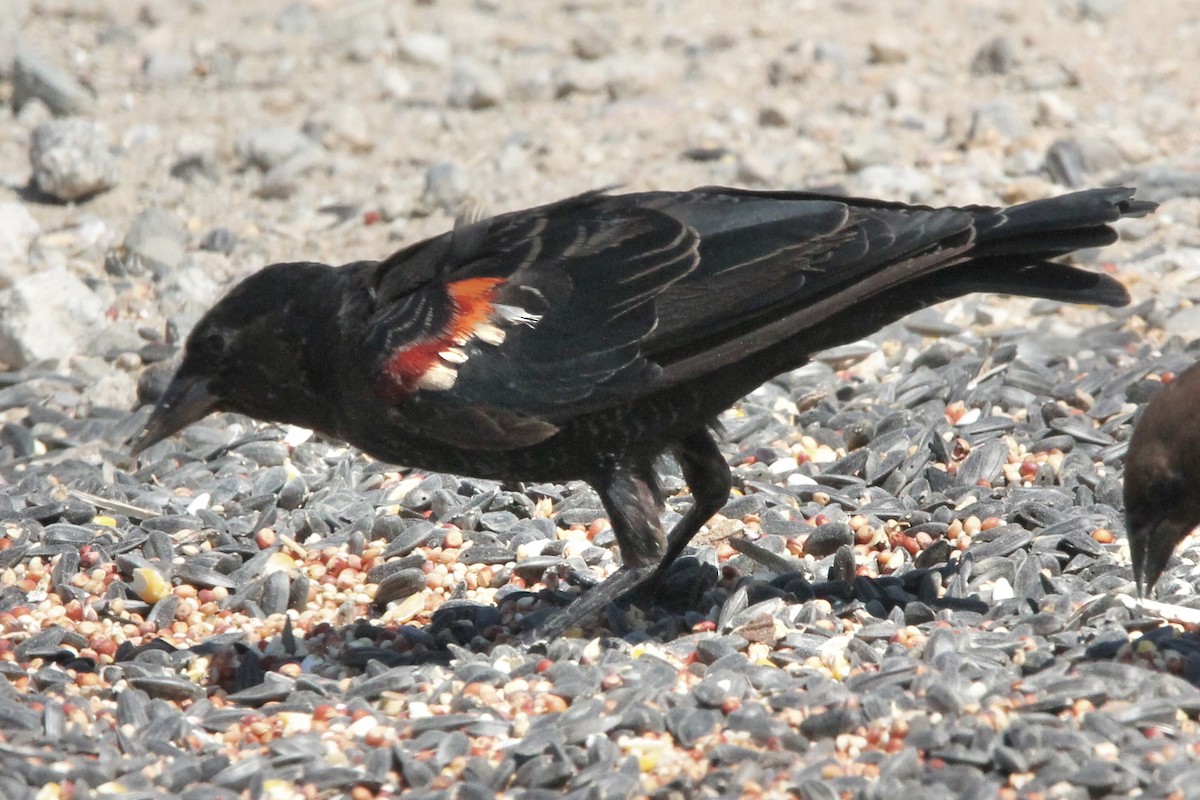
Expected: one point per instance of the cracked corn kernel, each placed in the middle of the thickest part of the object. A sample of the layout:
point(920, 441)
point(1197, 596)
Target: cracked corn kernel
point(149, 584)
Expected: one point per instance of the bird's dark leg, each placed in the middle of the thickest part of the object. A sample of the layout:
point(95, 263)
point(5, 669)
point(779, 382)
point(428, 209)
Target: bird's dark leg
point(633, 500)
point(708, 477)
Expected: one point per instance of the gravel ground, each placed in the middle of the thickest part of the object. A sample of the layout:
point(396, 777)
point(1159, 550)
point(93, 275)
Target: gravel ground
point(920, 583)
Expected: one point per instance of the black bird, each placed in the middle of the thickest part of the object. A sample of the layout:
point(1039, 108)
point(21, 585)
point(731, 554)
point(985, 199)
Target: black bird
point(586, 338)
point(1162, 504)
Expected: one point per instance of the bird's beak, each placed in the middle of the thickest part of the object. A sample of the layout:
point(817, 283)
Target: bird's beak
point(1150, 549)
point(1138, 539)
point(186, 400)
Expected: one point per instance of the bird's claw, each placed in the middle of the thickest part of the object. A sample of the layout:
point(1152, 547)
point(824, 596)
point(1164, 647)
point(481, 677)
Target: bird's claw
point(587, 606)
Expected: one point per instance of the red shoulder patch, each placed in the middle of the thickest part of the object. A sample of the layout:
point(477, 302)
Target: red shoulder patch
point(473, 306)
point(429, 362)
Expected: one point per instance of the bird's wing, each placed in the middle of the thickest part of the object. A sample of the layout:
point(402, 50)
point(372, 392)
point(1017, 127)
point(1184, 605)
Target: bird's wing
point(782, 262)
point(504, 328)
point(498, 331)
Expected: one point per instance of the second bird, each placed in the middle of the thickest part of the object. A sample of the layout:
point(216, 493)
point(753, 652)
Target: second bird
point(1162, 505)
point(586, 338)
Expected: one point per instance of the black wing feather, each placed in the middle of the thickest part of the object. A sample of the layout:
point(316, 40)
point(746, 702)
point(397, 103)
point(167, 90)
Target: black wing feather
point(586, 271)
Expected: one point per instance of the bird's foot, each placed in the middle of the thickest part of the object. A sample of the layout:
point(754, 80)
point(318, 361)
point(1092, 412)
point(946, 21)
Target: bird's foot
point(588, 605)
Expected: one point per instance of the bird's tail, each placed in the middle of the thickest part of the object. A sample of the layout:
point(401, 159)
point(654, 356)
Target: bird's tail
point(1050, 280)
point(941, 256)
point(1058, 224)
point(1014, 245)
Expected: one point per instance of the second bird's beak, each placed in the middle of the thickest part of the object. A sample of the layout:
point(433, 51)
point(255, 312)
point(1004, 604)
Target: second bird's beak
point(1137, 554)
point(185, 401)
point(1149, 549)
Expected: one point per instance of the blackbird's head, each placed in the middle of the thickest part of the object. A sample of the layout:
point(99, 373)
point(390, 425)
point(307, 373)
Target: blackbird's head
point(1162, 477)
point(252, 353)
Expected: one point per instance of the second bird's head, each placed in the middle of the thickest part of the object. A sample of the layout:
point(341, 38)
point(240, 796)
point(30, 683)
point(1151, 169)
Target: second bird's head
point(1162, 502)
point(250, 353)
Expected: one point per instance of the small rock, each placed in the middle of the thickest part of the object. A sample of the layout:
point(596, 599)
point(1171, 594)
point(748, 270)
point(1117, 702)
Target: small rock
point(1098, 153)
point(141, 136)
point(395, 84)
point(904, 96)
point(219, 240)
point(294, 18)
point(772, 117)
point(592, 44)
point(424, 48)
point(1184, 322)
point(396, 205)
point(50, 315)
point(166, 68)
point(886, 49)
point(1053, 110)
point(624, 80)
point(222, 67)
point(113, 389)
point(1100, 9)
point(341, 126)
point(1165, 115)
point(829, 52)
point(534, 86)
point(16, 13)
point(18, 229)
point(581, 77)
point(1132, 144)
point(513, 159)
point(157, 13)
point(117, 339)
point(1024, 161)
point(756, 168)
point(366, 46)
point(71, 159)
point(282, 180)
point(1026, 188)
point(192, 285)
point(446, 187)
point(195, 144)
point(868, 151)
point(994, 121)
point(33, 113)
point(268, 147)
point(196, 159)
point(1046, 75)
point(356, 31)
point(476, 87)
point(35, 76)
point(1064, 163)
point(156, 238)
point(997, 57)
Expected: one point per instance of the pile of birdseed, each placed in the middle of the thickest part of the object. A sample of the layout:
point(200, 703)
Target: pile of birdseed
point(917, 584)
